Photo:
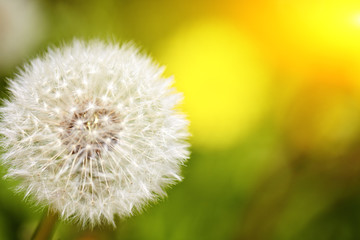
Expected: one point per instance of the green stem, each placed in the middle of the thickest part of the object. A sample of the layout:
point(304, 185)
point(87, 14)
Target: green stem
point(45, 229)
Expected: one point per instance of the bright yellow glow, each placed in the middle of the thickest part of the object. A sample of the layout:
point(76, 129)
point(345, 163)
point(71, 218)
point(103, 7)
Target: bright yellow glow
point(300, 35)
point(355, 19)
point(222, 78)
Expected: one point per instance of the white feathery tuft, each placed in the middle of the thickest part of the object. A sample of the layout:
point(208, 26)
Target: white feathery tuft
point(92, 130)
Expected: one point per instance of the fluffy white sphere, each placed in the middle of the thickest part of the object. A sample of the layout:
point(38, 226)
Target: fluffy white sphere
point(92, 130)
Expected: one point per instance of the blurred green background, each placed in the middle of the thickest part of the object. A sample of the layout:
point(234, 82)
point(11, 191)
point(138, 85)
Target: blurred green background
point(272, 89)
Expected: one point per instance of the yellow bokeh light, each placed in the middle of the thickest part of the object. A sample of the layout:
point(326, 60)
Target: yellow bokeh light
point(222, 77)
point(301, 35)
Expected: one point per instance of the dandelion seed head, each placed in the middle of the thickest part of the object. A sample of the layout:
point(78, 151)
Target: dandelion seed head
point(92, 130)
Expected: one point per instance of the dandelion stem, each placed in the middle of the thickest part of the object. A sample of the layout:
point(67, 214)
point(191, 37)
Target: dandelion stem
point(45, 229)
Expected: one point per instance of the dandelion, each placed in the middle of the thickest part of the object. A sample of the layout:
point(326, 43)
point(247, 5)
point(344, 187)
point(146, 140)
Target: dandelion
point(92, 130)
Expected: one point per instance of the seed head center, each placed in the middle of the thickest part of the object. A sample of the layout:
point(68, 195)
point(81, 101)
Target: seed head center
point(87, 132)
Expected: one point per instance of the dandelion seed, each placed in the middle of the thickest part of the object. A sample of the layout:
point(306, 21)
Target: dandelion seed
point(108, 147)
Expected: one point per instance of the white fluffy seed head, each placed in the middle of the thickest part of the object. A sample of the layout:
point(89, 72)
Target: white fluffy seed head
point(91, 129)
